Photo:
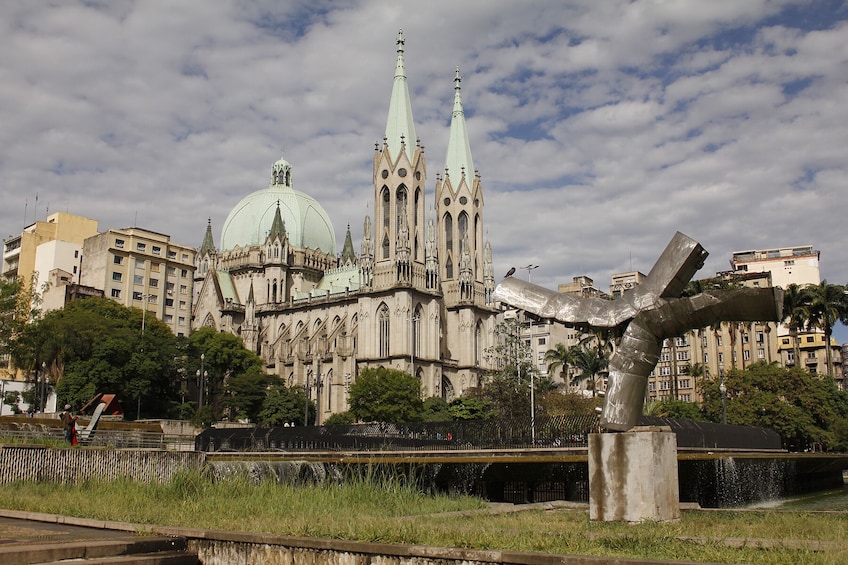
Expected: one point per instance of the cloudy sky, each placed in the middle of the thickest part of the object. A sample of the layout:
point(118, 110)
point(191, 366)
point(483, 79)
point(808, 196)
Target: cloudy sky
point(599, 128)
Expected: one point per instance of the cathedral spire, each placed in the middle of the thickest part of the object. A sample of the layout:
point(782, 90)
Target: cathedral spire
point(278, 227)
point(348, 254)
point(458, 159)
point(208, 246)
point(400, 128)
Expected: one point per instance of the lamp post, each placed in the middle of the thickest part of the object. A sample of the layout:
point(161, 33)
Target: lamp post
point(723, 390)
point(306, 399)
point(412, 336)
point(529, 268)
point(43, 386)
point(201, 381)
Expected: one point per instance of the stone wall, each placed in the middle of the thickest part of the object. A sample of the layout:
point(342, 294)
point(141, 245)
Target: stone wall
point(71, 465)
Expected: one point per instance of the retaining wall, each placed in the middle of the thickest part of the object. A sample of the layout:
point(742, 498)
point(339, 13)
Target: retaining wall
point(71, 465)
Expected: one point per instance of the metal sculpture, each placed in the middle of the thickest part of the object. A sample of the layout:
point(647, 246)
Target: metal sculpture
point(646, 315)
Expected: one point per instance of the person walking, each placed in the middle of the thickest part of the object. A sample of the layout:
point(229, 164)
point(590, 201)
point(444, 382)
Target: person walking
point(69, 425)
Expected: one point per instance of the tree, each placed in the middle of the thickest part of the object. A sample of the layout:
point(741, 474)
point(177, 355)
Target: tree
point(590, 362)
point(10, 321)
point(806, 410)
point(827, 305)
point(470, 408)
point(508, 387)
point(435, 409)
point(285, 405)
point(671, 408)
point(796, 312)
point(560, 357)
point(385, 395)
point(345, 418)
point(96, 345)
point(224, 356)
point(244, 393)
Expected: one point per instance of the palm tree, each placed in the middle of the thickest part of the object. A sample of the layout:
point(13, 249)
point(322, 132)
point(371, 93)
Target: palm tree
point(827, 305)
point(590, 362)
point(796, 312)
point(559, 357)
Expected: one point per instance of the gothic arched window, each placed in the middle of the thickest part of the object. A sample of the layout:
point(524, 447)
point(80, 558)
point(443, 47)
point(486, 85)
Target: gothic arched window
point(448, 223)
point(386, 209)
point(385, 247)
point(462, 224)
point(400, 206)
point(383, 338)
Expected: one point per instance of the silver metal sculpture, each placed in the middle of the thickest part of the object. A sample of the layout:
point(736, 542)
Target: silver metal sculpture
point(647, 315)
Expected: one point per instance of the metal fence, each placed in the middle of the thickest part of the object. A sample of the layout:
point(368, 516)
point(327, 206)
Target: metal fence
point(104, 438)
point(555, 431)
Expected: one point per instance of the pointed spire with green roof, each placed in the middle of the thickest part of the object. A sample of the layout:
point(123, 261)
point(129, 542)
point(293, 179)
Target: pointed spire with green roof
point(458, 159)
point(348, 254)
point(208, 246)
point(400, 128)
point(278, 226)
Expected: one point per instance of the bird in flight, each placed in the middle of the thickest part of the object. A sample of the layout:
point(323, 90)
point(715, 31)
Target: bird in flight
point(510, 272)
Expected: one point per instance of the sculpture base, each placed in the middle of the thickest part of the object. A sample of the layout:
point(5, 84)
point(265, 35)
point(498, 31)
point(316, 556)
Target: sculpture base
point(633, 476)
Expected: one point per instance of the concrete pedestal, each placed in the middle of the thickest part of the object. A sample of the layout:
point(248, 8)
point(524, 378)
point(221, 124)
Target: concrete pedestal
point(633, 476)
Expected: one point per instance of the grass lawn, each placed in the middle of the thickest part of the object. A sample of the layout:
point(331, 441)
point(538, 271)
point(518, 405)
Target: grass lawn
point(394, 512)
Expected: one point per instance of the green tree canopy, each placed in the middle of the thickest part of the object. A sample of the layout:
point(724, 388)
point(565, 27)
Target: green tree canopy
point(286, 405)
point(806, 410)
point(245, 393)
point(96, 345)
point(386, 395)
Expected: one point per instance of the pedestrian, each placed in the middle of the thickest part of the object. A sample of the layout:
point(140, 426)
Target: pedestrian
point(69, 425)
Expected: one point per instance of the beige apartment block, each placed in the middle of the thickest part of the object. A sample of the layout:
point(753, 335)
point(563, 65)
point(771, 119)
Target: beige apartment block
point(143, 269)
point(46, 245)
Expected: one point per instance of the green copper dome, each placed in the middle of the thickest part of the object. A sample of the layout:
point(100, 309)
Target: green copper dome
point(306, 222)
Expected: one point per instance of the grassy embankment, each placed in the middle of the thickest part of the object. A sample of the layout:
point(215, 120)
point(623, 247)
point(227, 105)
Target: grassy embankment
point(395, 512)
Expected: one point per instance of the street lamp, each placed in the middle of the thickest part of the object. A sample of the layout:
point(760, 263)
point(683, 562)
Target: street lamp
point(201, 381)
point(412, 340)
point(42, 388)
point(529, 268)
point(723, 390)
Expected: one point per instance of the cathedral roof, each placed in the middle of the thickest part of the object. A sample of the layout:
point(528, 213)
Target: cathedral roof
point(458, 157)
point(208, 245)
point(306, 222)
point(399, 124)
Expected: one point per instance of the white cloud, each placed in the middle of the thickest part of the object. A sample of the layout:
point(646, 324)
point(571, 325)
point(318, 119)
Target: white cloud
point(599, 128)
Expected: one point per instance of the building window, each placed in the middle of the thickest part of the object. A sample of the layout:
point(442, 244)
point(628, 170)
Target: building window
point(718, 340)
point(116, 293)
point(182, 304)
point(116, 276)
point(744, 337)
point(139, 263)
point(183, 289)
point(167, 318)
point(681, 341)
point(720, 358)
point(810, 339)
point(169, 287)
point(169, 302)
point(154, 267)
point(790, 357)
point(682, 355)
point(152, 299)
point(685, 383)
point(76, 253)
point(137, 295)
point(117, 259)
point(746, 354)
point(172, 254)
point(157, 250)
point(543, 341)
point(706, 358)
point(704, 341)
point(119, 243)
point(172, 271)
point(141, 247)
point(785, 341)
point(181, 321)
point(185, 257)
point(383, 317)
point(154, 283)
point(665, 371)
point(184, 273)
point(761, 353)
point(789, 262)
point(665, 356)
point(652, 386)
point(138, 279)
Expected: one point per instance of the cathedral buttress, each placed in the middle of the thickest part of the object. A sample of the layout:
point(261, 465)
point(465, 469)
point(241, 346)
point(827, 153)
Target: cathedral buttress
point(399, 183)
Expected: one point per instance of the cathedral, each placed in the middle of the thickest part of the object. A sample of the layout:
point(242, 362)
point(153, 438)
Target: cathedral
point(418, 297)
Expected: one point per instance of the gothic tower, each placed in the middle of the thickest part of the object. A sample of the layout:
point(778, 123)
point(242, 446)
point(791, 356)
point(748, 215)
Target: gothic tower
point(399, 175)
point(459, 210)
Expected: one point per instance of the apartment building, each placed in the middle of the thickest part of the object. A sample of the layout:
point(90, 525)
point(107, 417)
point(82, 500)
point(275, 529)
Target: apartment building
point(55, 243)
point(143, 269)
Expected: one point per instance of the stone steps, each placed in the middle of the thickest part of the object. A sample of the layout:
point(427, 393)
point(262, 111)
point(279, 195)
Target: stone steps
point(153, 550)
